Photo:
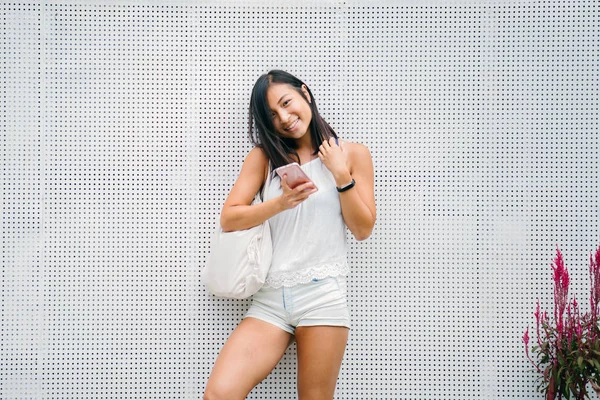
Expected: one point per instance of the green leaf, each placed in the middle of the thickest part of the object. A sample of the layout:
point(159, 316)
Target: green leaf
point(591, 362)
point(566, 392)
point(580, 362)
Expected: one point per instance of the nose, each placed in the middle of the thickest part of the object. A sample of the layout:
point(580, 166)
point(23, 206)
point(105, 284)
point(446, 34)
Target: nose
point(283, 116)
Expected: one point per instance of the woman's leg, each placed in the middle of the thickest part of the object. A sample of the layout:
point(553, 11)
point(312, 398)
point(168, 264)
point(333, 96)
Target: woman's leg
point(251, 352)
point(320, 352)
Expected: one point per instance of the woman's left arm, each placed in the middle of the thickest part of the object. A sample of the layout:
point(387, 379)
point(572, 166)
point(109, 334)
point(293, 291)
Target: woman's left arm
point(347, 162)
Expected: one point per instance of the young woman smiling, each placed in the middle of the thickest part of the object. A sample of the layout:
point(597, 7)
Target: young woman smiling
point(304, 297)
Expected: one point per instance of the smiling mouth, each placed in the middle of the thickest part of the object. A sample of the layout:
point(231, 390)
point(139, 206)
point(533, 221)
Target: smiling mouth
point(292, 126)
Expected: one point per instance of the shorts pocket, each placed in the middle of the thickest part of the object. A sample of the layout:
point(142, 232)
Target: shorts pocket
point(334, 287)
point(340, 281)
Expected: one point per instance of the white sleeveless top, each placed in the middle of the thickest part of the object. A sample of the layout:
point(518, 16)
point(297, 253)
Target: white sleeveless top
point(309, 240)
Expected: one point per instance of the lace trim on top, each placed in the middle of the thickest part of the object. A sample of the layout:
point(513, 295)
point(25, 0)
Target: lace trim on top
point(293, 278)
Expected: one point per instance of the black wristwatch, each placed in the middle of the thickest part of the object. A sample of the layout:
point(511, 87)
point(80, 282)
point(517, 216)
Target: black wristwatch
point(346, 187)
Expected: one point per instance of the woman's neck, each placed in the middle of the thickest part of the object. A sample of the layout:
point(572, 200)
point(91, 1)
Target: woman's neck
point(305, 148)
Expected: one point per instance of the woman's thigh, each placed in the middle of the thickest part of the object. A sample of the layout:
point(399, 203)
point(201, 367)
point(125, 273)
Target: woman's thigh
point(320, 352)
point(251, 352)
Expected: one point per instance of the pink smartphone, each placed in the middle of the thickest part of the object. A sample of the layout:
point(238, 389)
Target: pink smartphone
point(295, 175)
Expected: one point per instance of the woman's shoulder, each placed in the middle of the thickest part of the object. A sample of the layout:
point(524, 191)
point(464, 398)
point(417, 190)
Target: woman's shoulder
point(356, 149)
point(359, 156)
point(257, 162)
point(257, 156)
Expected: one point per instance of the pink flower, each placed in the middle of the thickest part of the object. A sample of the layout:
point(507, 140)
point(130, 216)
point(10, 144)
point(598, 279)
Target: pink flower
point(526, 341)
point(571, 338)
point(538, 321)
point(595, 280)
point(561, 290)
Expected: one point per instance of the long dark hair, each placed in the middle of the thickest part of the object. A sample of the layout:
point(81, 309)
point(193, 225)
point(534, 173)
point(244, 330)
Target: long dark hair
point(262, 132)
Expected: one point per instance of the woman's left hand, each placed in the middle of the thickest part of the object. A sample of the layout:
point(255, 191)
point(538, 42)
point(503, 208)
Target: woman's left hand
point(335, 158)
point(348, 163)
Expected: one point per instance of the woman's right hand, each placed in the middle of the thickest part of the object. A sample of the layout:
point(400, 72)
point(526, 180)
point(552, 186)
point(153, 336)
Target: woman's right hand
point(290, 198)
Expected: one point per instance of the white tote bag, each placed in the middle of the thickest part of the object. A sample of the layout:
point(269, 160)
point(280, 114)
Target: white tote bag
point(240, 260)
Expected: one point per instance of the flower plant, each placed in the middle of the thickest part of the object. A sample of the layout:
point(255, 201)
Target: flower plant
point(567, 352)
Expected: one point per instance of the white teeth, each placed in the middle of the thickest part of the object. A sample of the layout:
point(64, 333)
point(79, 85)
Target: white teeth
point(291, 126)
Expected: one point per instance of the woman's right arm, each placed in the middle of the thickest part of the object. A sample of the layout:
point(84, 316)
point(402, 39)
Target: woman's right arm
point(238, 214)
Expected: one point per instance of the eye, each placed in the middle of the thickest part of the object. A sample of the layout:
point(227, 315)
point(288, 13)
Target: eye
point(285, 103)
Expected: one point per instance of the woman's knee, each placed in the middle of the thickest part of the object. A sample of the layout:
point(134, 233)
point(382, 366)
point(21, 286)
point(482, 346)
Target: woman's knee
point(221, 392)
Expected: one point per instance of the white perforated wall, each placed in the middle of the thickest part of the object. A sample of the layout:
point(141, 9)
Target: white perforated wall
point(124, 126)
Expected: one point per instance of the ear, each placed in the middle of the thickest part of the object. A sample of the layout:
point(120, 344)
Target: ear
point(306, 94)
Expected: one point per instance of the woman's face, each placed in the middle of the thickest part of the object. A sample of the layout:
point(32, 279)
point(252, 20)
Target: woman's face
point(289, 109)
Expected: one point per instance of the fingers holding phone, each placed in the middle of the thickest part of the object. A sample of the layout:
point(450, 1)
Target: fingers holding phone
point(296, 185)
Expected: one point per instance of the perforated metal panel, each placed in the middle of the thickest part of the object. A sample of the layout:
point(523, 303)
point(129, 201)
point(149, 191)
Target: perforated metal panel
point(124, 127)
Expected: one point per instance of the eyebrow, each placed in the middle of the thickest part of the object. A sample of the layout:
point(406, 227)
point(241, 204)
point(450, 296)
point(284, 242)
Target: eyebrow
point(281, 98)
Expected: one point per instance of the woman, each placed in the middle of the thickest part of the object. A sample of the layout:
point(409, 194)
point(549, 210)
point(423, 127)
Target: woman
point(304, 298)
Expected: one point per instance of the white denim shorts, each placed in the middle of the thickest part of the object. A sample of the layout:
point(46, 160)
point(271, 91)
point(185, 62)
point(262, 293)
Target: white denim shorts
point(321, 302)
